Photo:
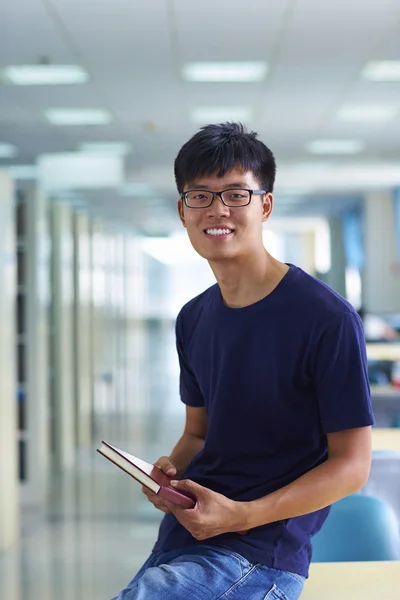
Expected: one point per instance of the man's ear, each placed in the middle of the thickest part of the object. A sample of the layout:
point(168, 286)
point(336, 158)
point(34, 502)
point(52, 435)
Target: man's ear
point(267, 206)
point(181, 212)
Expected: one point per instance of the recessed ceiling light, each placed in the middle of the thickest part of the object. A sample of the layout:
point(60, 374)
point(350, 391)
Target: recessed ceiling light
point(225, 71)
point(383, 70)
point(133, 188)
point(203, 115)
point(73, 198)
point(311, 167)
point(77, 171)
point(22, 171)
point(371, 113)
point(335, 146)
point(156, 202)
point(291, 197)
point(119, 148)
point(7, 151)
point(77, 116)
point(44, 74)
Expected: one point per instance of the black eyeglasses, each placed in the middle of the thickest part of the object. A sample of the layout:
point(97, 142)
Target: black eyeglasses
point(232, 197)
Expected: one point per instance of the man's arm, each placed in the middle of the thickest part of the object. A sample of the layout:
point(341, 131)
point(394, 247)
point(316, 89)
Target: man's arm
point(192, 439)
point(190, 443)
point(345, 471)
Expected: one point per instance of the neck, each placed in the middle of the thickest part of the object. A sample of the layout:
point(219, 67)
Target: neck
point(247, 280)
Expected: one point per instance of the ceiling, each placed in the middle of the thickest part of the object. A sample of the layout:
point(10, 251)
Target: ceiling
point(134, 51)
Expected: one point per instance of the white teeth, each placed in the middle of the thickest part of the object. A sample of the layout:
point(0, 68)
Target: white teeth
point(218, 231)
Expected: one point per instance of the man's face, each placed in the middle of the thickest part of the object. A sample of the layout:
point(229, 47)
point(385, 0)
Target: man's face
point(205, 225)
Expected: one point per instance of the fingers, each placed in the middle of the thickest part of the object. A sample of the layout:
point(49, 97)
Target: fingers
point(155, 500)
point(165, 464)
point(195, 490)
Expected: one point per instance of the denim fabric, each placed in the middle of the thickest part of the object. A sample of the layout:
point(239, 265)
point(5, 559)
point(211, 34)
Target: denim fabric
point(209, 573)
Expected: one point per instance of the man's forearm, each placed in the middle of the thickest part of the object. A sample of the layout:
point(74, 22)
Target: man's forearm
point(320, 487)
point(186, 449)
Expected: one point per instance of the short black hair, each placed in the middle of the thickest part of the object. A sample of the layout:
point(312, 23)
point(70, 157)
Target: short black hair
point(217, 149)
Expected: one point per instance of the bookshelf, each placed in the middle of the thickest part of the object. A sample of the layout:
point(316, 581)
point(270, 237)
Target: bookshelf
point(32, 299)
point(21, 337)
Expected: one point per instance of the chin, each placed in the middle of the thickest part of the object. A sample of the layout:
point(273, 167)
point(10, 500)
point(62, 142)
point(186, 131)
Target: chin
point(213, 254)
point(217, 256)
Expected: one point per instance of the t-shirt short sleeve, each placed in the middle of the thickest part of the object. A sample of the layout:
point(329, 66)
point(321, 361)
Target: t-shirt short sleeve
point(188, 387)
point(341, 376)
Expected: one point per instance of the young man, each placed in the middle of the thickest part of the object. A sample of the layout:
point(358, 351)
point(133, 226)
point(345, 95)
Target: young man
point(274, 379)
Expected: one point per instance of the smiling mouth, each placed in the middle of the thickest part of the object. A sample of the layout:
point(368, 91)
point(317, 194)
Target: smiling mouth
point(218, 231)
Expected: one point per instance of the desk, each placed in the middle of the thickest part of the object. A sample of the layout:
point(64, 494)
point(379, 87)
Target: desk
point(384, 391)
point(385, 404)
point(353, 581)
point(384, 479)
point(386, 351)
point(385, 439)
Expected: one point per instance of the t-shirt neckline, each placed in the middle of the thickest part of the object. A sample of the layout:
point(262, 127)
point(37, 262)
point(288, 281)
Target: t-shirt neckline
point(259, 303)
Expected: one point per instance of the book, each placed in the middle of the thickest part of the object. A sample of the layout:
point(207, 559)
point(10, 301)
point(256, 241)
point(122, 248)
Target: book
point(147, 474)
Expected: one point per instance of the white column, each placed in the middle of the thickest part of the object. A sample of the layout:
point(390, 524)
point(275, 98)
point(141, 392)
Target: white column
point(110, 321)
point(63, 401)
point(9, 497)
point(37, 359)
point(120, 323)
point(83, 327)
point(299, 249)
point(136, 275)
point(381, 278)
point(99, 322)
point(336, 278)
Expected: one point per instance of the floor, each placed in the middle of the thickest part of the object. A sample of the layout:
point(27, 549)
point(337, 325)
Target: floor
point(98, 527)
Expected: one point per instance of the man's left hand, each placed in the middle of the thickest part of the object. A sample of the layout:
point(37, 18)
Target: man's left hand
point(213, 513)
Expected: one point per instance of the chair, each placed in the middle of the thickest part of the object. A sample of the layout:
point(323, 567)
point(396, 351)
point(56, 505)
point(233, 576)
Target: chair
point(396, 421)
point(379, 372)
point(358, 528)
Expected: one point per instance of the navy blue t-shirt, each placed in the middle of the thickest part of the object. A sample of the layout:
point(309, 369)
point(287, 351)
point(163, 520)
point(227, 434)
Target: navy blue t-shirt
point(275, 378)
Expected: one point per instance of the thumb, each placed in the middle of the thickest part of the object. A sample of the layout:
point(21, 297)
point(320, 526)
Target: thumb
point(166, 465)
point(187, 485)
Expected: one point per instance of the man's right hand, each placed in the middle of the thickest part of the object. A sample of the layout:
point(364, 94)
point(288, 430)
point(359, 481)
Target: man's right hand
point(164, 463)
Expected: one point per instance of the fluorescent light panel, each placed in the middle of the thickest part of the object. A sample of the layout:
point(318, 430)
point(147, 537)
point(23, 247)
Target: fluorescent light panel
point(335, 146)
point(218, 72)
point(119, 148)
point(368, 113)
point(290, 197)
point(133, 188)
point(7, 151)
point(312, 167)
point(157, 203)
point(77, 116)
point(73, 198)
point(218, 114)
point(384, 70)
point(44, 74)
point(22, 171)
point(74, 170)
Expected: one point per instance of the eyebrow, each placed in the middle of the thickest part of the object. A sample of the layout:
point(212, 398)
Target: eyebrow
point(235, 184)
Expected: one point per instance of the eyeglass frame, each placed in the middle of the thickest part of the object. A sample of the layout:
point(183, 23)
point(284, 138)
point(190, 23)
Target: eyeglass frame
point(251, 192)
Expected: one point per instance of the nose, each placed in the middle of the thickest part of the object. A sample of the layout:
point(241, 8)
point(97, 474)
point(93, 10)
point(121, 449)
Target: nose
point(217, 208)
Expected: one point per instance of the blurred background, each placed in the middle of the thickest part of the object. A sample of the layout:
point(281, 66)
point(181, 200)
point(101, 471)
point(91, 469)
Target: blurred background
point(96, 98)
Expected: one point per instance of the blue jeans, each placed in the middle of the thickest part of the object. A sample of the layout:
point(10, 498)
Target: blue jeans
point(204, 572)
